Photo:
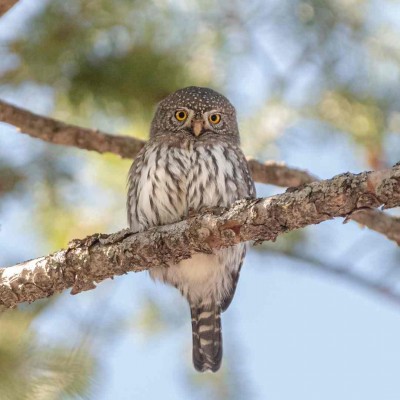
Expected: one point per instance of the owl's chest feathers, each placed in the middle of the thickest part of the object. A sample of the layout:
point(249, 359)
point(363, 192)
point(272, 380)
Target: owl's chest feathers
point(182, 177)
point(174, 179)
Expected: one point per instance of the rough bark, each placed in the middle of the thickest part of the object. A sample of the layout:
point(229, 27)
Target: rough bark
point(87, 262)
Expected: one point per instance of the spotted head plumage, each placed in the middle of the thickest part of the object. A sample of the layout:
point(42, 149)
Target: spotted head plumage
point(197, 111)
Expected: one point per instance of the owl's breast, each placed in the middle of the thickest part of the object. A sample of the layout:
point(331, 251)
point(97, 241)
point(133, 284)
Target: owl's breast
point(162, 188)
point(171, 180)
point(212, 179)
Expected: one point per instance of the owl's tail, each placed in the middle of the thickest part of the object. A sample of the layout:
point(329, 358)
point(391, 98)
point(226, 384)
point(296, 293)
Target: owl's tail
point(207, 339)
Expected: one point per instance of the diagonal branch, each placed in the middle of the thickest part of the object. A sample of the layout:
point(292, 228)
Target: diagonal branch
point(379, 222)
point(57, 132)
point(278, 174)
point(5, 5)
point(101, 256)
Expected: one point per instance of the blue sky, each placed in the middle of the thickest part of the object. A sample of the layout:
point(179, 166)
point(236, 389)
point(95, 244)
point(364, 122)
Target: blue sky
point(291, 332)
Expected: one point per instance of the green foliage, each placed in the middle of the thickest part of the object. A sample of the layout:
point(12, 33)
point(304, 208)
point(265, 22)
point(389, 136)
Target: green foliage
point(30, 369)
point(362, 118)
point(107, 54)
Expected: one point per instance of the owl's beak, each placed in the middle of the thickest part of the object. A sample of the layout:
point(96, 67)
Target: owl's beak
point(197, 127)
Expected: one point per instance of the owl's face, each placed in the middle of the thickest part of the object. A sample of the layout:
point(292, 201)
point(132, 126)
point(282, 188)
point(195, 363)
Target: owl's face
point(197, 111)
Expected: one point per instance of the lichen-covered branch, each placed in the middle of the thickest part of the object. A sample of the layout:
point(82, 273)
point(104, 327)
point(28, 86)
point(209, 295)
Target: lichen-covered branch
point(57, 132)
point(98, 257)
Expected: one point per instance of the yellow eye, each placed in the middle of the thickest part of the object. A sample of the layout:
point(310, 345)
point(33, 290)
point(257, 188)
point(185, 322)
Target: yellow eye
point(181, 115)
point(214, 118)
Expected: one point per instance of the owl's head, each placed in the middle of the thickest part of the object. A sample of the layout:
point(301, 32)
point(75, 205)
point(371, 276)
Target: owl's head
point(197, 111)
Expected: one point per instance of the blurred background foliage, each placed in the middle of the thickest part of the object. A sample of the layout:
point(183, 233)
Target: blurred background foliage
point(30, 369)
point(299, 72)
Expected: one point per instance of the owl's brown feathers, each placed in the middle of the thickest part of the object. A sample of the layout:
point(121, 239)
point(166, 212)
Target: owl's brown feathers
point(184, 168)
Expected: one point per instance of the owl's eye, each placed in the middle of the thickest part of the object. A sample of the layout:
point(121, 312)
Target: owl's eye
point(214, 118)
point(181, 115)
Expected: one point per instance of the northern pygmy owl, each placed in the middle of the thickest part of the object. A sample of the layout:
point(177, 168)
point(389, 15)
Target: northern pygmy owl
point(193, 161)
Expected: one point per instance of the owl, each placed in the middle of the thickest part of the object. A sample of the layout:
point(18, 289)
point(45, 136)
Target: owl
point(193, 161)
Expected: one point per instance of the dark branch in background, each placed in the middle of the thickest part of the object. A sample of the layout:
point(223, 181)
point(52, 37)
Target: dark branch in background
point(53, 131)
point(5, 5)
point(382, 287)
point(99, 257)
point(57, 132)
point(379, 222)
point(278, 174)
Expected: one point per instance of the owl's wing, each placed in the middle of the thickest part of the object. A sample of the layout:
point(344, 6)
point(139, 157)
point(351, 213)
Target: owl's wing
point(133, 190)
point(249, 190)
point(246, 175)
point(234, 278)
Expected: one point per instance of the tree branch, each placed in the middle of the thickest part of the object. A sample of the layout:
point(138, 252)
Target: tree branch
point(57, 132)
point(5, 5)
point(278, 174)
point(379, 222)
point(101, 256)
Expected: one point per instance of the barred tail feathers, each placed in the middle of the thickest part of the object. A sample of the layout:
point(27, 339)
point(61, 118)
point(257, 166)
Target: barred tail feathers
point(207, 338)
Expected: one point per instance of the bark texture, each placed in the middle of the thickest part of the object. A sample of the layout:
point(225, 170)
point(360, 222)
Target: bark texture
point(98, 257)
